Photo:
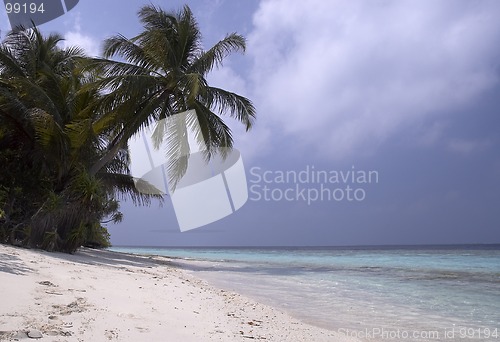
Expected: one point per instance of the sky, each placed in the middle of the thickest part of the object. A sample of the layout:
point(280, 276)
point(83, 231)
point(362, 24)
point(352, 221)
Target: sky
point(406, 90)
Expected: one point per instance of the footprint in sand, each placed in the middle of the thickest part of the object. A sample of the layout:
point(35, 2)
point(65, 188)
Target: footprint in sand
point(77, 306)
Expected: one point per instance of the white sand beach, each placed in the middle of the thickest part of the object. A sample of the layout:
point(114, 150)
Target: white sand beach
point(98, 295)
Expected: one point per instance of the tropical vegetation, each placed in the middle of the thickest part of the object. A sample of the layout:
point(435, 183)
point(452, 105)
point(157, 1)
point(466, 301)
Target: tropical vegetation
point(66, 120)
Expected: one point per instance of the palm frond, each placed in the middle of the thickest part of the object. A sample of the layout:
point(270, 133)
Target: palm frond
point(35, 95)
point(239, 107)
point(79, 133)
point(128, 49)
point(177, 148)
point(15, 115)
point(154, 18)
point(49, 133)
point(124, 186)
point(9, 67)
point(206, 61)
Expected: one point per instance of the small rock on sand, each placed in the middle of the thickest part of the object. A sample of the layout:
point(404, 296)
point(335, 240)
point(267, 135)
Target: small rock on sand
point(34, 334)
point(46, 283)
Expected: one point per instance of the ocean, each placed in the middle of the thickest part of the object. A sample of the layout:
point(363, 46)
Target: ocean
point(411, 293)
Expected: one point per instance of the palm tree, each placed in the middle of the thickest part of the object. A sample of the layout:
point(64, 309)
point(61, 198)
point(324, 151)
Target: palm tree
point(162, 72)
point(51, 134)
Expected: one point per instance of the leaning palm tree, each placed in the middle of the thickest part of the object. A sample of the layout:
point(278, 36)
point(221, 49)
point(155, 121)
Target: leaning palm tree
point(162, 72)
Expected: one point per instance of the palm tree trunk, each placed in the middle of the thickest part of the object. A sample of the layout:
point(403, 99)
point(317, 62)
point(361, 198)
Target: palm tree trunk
point(107, 157)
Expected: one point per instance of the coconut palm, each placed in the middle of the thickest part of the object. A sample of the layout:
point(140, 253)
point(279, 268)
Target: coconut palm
point(162, 72)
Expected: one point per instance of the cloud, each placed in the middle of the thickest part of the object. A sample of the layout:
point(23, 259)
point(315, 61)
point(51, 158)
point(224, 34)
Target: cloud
point(75, 37)
point(89, 44)
point(344, 76)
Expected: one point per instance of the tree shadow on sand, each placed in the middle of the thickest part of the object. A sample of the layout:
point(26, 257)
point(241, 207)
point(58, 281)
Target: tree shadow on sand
point(90, 256)
point(12, 264)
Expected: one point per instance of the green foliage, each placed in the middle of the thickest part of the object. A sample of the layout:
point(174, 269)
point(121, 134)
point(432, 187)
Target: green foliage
point(50, 241)
point(96, 236)
point(48, 198)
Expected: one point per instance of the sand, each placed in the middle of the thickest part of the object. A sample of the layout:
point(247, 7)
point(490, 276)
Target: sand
point(106, 296)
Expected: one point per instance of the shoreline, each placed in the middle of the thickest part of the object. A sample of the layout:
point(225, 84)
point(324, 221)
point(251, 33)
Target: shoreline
point(102, 295)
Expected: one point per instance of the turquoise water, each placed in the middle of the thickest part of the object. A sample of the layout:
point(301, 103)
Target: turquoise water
point(375, 293)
